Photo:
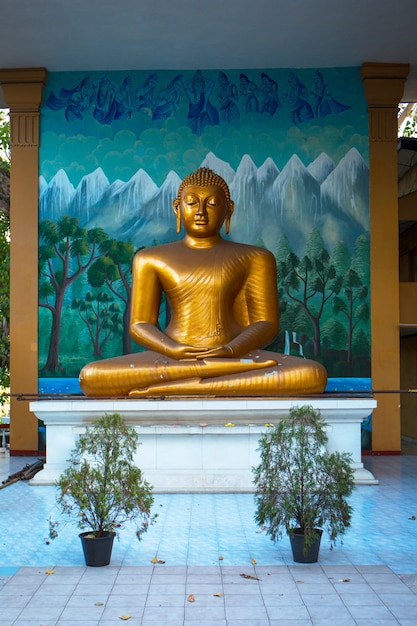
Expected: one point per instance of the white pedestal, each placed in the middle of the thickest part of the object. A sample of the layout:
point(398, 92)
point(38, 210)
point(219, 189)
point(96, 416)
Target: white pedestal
point(198, 445)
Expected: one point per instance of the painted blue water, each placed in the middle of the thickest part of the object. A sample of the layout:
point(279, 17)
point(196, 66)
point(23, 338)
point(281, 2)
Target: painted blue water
point(52, 386)
point(349, 385)
point(71, 386)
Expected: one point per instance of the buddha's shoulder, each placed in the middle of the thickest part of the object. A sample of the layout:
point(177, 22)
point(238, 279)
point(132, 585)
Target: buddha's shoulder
point(172, 251)
point(156, 256)
point(153, 252)
point(249, 250)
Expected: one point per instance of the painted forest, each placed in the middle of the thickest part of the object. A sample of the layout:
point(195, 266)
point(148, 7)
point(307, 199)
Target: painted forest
point(85, 294)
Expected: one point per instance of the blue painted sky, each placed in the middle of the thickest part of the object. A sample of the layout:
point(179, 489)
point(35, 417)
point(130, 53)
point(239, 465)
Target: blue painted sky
point(123, 146)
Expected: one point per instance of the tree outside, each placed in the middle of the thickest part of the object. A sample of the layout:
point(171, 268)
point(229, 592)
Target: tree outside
point(4, 258)
point(407, 119)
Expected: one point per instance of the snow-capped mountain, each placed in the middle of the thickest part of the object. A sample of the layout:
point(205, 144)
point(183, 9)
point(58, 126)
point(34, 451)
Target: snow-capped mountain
point(56, 197)
point(121, 203)
point(346, 189)
point(222, 168)
point(90, 190)
point(156, 220)
point(268, 202)
point(321, 167)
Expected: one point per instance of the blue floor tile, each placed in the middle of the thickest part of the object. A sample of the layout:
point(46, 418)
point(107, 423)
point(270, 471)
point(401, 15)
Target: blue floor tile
point(8, 571)
point(198, 529)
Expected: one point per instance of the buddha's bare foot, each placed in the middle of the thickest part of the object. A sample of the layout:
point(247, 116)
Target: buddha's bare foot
point(179, 380)
point(139, 393)
point(213, 367)
point(172, 387)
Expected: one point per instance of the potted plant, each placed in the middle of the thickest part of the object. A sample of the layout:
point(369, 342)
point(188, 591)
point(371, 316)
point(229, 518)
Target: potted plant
point(300, 487)
point(102, 488)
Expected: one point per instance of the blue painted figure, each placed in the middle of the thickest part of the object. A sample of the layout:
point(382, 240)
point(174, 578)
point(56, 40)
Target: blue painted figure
point(269, 94)
point(228, 98)
point(168, 99)
point(201, 111)
point(249, 90)
point(75, 101)
point(295, 98)
point(323, 102)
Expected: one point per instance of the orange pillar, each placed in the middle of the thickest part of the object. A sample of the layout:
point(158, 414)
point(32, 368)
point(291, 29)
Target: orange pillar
point(22, 92)
point(384, 86)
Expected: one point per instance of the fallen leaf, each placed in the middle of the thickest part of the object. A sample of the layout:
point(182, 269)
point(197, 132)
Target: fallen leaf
point(345, 580)
point(218, 595)
point(156, 560)
point(253, 561)
point(221, 558)
point(300, 581)
point(125, 617)
point(50, 571)
point(249, 576)
point(191, 598)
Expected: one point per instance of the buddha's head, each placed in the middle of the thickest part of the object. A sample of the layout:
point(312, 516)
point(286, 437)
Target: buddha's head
point(218, 189)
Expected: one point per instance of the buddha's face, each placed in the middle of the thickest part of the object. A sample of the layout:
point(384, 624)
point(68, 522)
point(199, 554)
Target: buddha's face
point(203, 210)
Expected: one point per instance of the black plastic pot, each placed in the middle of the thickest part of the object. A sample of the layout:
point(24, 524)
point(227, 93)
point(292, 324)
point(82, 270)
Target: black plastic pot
point(302, 554)
point(97, 550)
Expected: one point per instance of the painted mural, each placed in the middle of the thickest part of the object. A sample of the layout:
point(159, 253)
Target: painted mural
point(292, 145)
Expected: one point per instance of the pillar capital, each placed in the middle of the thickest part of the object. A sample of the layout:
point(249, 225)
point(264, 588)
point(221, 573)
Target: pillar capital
point(23, 88)
point(384, 88)
point(22, 91)
point(384, 83)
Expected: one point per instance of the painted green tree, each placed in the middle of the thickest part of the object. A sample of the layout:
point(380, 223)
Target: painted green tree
point(341, 258)
point(66, 251)
point(311, 282)
point(114, 269)
point(361, 259)
point(102, 317)
point(353, 306)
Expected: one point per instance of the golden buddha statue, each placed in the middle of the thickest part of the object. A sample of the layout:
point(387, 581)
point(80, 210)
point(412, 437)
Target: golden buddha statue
point(224, 308)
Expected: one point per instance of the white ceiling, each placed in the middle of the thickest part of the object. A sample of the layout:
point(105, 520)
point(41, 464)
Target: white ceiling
point(196, 34)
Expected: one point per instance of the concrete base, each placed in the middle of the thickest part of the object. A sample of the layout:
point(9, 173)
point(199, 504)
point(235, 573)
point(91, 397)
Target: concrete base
point(198, 445)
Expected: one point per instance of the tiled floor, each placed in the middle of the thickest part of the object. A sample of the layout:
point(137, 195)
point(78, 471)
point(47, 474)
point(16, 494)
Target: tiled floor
point(206, 543)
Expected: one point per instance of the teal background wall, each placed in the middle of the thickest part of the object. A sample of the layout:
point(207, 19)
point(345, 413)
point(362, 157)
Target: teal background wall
point(292, 145)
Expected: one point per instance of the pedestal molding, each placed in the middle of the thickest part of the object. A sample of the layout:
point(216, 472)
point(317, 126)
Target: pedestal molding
point(198, 445)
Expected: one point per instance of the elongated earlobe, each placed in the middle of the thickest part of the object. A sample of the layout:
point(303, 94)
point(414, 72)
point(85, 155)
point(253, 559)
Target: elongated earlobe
point(229, 216)
point(177, 211)
point(227, 224)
